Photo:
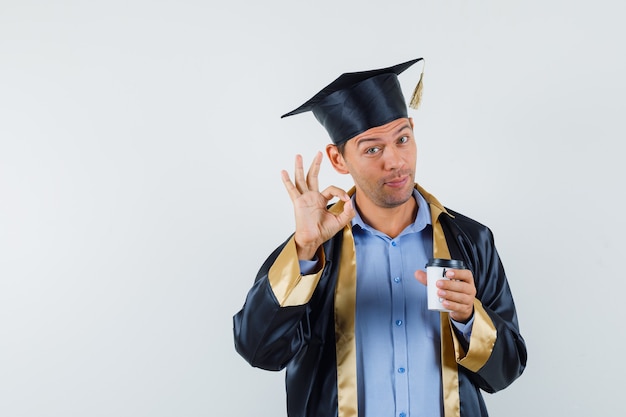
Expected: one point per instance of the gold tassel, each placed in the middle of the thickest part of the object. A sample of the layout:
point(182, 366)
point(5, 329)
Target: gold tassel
point(416, 98)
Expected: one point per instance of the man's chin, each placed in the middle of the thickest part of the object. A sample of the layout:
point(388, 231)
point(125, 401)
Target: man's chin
point(397, 200)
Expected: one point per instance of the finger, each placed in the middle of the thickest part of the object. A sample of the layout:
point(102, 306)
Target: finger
point(347, 214)
point(460, 303)
point(460, 275)
point(289, 186)
point(454, 286)
point(459, 297)
point(300, 181)
point(314, 170)
point(332, 191)
point(421, 276)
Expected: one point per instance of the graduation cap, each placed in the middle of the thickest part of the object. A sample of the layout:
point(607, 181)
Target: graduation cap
point(358, 101)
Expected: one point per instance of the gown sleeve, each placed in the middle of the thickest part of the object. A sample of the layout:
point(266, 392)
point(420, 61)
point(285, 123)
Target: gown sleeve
point(272, 325)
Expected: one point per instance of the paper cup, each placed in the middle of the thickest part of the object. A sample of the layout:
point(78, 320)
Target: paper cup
point(436, 270)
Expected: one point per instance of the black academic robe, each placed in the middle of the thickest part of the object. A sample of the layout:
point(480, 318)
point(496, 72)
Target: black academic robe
point(306, 323)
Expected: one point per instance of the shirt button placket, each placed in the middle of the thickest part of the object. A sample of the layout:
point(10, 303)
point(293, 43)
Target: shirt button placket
point(398, 324)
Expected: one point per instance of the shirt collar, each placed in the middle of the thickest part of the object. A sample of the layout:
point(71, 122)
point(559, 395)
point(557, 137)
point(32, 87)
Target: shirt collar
point(421, 220)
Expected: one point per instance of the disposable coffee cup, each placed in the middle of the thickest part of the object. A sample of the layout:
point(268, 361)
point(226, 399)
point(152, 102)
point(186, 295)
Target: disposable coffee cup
point(436, 270)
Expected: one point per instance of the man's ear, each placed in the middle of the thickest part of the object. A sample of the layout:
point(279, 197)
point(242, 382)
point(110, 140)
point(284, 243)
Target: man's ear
point(336, 159)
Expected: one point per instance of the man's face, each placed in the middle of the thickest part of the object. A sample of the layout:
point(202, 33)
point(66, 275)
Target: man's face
point(381, 161)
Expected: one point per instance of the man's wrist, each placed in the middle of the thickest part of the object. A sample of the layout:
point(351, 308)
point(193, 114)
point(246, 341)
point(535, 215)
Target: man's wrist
point(306, 252)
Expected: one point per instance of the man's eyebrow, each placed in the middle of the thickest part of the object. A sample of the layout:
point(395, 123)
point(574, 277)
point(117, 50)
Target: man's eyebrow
point(401, 128)
point(376, 138)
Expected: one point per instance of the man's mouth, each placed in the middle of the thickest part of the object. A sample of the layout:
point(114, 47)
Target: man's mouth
point(397, 182)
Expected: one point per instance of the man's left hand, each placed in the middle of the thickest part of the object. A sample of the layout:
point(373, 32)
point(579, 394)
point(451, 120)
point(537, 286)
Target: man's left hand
point(458, 292)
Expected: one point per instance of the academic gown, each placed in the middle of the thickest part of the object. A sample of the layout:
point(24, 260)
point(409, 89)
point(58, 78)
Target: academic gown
point(306, 323)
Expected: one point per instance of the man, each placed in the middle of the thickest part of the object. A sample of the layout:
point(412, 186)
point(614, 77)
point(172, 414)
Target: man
point(341, 304)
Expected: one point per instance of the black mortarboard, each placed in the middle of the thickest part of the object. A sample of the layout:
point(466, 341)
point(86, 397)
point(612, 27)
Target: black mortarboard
point(358, 101)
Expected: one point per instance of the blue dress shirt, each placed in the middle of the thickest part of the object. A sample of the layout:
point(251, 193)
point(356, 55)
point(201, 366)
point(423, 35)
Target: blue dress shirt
point(398, 348)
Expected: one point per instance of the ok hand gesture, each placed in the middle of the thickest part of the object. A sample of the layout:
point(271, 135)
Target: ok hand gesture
point(314, 223)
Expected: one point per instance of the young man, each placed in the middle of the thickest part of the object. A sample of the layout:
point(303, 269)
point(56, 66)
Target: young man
point(342, 303)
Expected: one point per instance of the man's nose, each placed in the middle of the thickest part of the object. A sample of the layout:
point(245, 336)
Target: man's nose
point(393, 158)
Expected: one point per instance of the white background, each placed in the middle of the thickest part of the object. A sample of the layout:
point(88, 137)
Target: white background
point(140, 157)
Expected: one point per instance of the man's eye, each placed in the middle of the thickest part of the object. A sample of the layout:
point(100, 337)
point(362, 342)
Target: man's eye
point(372, 150)
point(404, 139)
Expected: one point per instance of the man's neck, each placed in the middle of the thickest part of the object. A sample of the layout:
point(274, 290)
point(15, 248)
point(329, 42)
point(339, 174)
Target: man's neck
point(390, 221)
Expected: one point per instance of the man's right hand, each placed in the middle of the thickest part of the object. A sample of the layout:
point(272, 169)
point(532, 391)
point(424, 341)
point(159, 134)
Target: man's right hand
point(314, 223)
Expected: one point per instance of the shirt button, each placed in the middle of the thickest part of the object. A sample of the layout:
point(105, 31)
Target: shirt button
point(402, 415)
point(398, 322)
point(397, 279)
point(393, 243)
point(401, 370)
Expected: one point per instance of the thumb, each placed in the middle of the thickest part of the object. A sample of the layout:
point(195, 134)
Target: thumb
point(421, 276)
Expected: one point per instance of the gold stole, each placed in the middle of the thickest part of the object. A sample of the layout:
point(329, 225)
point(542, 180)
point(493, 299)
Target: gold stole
point(449, 370)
